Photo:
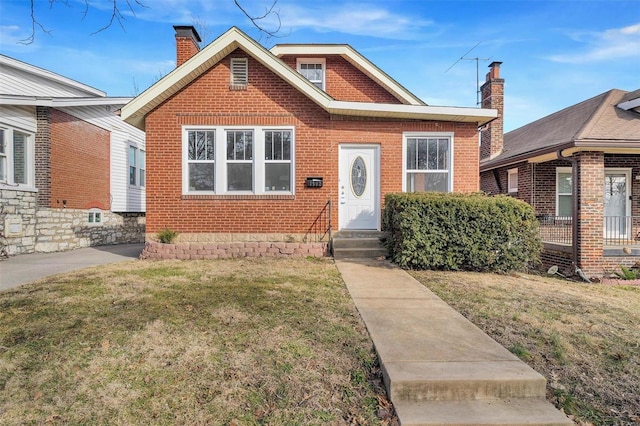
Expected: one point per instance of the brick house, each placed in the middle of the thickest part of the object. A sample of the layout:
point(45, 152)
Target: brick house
point(594, 147)
point(71, 171)
point(246, 144)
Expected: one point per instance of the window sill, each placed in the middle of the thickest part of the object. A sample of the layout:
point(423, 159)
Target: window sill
point(11, 187)
point(238, 197)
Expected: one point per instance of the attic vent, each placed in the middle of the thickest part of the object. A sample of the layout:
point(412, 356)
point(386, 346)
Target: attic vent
point(239, 73)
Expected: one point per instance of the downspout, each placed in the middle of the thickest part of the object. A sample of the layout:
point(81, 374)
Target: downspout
point(574, 208)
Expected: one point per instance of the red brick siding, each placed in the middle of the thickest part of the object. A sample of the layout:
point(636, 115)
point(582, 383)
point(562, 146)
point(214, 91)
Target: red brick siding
point(344, 82)
point(269, 100)
point(43, 155)
point(79, 163)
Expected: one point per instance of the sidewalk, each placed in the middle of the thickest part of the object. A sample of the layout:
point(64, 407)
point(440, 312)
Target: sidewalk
point(438, 367)
point(26, 268)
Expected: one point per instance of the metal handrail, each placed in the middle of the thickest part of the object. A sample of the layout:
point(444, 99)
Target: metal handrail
point(321, 226)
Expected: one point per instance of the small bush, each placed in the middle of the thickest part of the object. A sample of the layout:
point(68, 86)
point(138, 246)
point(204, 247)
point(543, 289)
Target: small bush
point(628, 273)
point(471, 232)
point(166, 236)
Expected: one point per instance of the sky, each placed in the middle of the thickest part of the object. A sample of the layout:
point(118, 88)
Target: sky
point(554, 54)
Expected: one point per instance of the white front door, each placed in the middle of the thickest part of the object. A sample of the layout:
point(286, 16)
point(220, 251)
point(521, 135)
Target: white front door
point(359, 187)
point(617, 209)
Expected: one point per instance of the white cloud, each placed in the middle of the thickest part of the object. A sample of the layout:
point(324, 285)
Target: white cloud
point(616, 43)
point(354, 18)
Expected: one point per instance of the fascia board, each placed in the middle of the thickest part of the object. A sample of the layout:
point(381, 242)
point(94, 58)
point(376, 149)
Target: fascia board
point(419, 112)
point(135, 110)
point(357, 60)
point(59, 102)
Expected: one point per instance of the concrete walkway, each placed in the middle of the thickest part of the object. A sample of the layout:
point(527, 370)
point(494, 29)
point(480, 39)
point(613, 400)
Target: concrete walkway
point(26, 268)
point(439, 368)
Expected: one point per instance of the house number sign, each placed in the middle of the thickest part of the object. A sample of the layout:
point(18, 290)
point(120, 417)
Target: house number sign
point(358, 176)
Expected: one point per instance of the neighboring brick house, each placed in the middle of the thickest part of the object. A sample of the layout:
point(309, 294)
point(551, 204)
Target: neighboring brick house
point(593, 146)
point(250, 144)
point(71, 171)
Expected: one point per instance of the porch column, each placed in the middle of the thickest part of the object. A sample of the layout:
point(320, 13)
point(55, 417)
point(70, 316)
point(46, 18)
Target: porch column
point(590, 212)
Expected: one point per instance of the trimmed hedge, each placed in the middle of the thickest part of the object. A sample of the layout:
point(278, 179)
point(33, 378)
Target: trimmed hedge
point(472, 232)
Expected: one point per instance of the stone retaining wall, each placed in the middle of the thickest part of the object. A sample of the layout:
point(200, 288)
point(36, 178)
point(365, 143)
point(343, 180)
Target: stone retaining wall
point(26, 228)
point(158, 251)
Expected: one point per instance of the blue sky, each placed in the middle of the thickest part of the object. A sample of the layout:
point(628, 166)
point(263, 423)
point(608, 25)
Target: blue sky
point(554, 53)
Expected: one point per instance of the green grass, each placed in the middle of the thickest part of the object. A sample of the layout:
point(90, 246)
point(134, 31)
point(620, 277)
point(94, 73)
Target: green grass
point(234, 342)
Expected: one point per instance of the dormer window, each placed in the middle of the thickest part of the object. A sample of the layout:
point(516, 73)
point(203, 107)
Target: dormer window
point(313, 70)
point(239, 73)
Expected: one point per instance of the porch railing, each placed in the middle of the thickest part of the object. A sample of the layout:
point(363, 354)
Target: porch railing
point(616, 230)
point(555, 229)
point(320, 229)
point(621, 230)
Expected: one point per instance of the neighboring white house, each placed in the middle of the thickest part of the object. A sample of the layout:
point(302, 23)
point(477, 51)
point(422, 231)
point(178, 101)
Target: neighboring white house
point(72, 173)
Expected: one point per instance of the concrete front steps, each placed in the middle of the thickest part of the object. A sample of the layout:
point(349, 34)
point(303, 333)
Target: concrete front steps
point(438, 367)
point(358, 245)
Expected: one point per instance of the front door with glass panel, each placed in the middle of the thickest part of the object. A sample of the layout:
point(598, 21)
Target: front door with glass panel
point(359, 200)
point(617, 208)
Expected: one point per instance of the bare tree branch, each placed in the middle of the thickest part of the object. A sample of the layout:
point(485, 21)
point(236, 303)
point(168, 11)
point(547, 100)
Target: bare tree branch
point(117, 16)
point(255, 20)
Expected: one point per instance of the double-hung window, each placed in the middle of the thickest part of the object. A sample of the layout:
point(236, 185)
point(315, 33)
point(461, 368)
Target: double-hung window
point(313, 70)
point(239, 160)
point(427, 162)
point(245, 161)
point(201, 160)
point(16, 157)
point(512, 180)
point(137, 171)
point(564, 191)
point(277, 166)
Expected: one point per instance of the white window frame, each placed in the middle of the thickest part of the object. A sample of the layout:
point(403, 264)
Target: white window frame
point(559, 171)
point(139, 166)
point(8, 158)
point(427, 135)
point(512, 174)
point(220, 155)
point(95, 216)
point(315, 61)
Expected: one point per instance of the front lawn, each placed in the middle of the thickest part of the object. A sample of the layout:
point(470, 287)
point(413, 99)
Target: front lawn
point(228, 342)
point(584, 338)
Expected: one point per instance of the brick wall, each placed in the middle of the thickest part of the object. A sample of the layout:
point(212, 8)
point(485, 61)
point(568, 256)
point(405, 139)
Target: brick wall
point(344, 82)
point(79, 163)
point(269, 100)
point(43, 155)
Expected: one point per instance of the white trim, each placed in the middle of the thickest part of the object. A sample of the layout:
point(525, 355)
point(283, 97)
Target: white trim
point(49, 75)
point(563, 170)
point(422, 135)
point(61, 102)
point(136, 111)
point(220, 159)
point(321, 61)
point(9, 157)
point(356, 59)
point(510, 173)
point(627, 171)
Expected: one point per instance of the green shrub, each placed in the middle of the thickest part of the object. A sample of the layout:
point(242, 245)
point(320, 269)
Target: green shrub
point(628, 273)
point(166, 236)
point(471, 232)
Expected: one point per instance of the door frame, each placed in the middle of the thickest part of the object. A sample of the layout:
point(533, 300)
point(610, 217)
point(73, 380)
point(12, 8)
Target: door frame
point(628, 200)
point(375, 181)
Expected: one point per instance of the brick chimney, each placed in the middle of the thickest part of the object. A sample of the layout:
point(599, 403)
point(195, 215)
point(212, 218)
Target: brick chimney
point(187, 39)
point(492, 135)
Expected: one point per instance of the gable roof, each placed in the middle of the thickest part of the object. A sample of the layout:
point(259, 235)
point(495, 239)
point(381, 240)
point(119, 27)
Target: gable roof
point(595, 124)
point(20, 78)
point(354, 58)
point(136, 111)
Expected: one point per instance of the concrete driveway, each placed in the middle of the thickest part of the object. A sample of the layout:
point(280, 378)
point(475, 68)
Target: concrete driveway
point(26, 268)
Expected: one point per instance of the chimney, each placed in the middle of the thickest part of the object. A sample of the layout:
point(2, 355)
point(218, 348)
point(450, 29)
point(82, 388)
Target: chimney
point(187, 39)
point(492, 135)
